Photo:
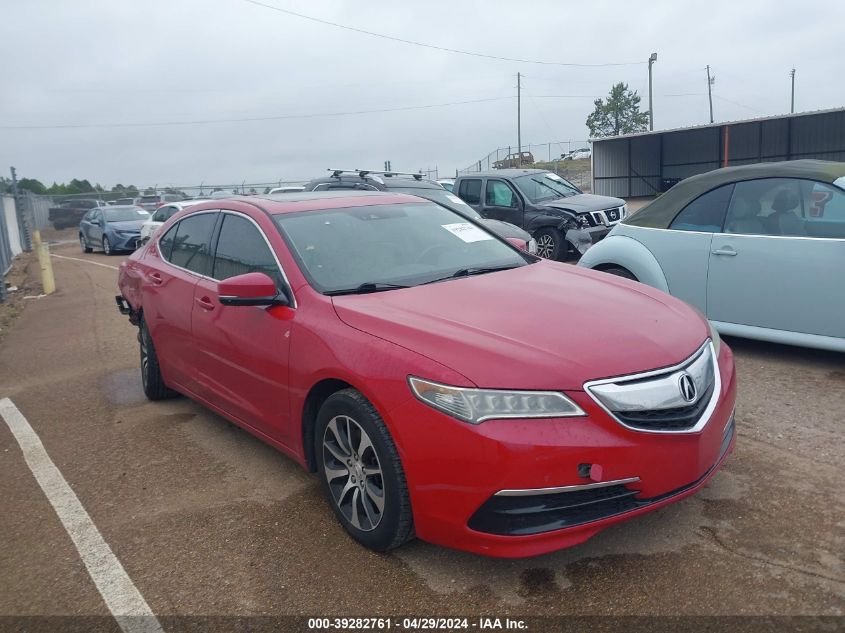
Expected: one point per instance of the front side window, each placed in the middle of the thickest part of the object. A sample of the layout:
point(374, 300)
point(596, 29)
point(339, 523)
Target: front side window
point(542, 187)
point(498, 194)
point(241, 249)
point(470, 191)
point(824, 210)
point(706, 213)
point(408, 244)
point(190, 249)
point(163, 214)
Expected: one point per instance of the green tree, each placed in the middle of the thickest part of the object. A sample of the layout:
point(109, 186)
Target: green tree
point(33, 185)
point(619, 114)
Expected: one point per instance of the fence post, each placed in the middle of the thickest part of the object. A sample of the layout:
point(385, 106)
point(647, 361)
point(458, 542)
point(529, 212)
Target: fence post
point(23, 220)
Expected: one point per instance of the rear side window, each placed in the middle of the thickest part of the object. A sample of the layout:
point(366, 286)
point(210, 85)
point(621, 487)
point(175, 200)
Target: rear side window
point(190, 248)
point(470, 191)
point(824, 210)
point(242, 249)
point(706, 213)
point(165, 242)
point(163, 214)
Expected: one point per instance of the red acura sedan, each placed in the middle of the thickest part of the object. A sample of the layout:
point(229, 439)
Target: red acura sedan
point(442, 382)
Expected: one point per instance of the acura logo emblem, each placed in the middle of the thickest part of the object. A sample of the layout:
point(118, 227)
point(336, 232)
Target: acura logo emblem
point(687, 386)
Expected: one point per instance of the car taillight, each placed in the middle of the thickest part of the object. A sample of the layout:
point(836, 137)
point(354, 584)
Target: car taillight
point(518, 243)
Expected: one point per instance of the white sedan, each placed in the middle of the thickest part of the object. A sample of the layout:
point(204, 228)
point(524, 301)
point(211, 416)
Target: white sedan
point(162, 215)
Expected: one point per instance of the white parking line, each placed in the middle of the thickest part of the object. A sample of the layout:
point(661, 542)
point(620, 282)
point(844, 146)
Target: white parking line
point(123, 599)
point(85, 261)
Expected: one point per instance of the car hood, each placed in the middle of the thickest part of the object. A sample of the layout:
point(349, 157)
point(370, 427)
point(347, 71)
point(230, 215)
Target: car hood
point(506, 229)
point(584, 203)
point(543, 326)
point(127, 225)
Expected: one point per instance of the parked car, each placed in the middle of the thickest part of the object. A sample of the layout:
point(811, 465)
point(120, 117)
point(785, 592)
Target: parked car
point(122, 202)
point(384, 342)
point(152, 202)
point(563, 220)
point(161, 215)
point(112, 229)
point(578, 154)
point(515, 160)
point(759, 249)
point(415, 184)
point(70, 212)
point(447, 183)
point(288, 189)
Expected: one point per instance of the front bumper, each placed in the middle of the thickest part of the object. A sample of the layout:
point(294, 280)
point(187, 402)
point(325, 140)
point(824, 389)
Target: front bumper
point(454, 471)
point(127, 242)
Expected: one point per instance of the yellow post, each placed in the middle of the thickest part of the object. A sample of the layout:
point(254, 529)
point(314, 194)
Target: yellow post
point(48, 282)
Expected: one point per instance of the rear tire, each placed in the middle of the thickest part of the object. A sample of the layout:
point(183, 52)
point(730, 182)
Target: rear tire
point(360, 470)
point(84, 245)
point(620, 272)
point(550, 243)
point(151, 378)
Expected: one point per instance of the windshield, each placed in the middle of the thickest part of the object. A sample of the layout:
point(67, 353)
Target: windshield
point(403, 244)
point(541, 187)
point(125, 214)
point(441, 196)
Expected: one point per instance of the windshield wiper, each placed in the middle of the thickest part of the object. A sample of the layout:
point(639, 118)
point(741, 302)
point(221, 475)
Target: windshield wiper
point(477, 270)
point(366, 287)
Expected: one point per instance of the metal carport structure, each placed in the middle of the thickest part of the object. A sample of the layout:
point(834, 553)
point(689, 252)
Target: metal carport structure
point(644, 164)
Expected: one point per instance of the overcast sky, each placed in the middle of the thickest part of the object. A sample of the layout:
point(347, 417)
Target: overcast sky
point(98, 62)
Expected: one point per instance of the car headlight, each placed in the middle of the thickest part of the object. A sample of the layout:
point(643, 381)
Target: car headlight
point(532, 246)
point(714, 336)
point(623, 212)
point(476, 405)
point(584, 221)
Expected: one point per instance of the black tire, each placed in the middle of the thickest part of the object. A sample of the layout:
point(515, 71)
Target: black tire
point(107, 249)
point(151, 378)
point(84, 244)
point(395, 524)
point(550, 243)
point(620, 272)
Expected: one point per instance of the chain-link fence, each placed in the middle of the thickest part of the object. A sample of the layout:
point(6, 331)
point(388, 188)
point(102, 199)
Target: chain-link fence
point(547, 155)
point(548, 152)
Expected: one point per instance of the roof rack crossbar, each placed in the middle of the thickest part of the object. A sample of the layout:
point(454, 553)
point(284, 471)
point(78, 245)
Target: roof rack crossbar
point(364, 172)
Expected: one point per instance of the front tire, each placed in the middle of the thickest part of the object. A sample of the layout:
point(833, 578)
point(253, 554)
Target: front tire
point(151, 378)
point(361, 472)
point(550, 243)
point(107, 249)
point(84, 244)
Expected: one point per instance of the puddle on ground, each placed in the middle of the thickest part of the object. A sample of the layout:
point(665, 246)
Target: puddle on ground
point(124, 386)
point(668, 530)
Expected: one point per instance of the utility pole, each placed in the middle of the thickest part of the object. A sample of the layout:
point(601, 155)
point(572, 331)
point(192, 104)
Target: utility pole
point(792, 106)
point(651, 60)
point(519, 118)
point(710, 82)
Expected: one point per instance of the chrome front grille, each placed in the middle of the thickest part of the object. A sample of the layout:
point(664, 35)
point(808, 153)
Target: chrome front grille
point(678, 399)
point(608, 217)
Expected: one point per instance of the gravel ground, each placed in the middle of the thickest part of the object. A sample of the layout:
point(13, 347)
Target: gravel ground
point(207, 520)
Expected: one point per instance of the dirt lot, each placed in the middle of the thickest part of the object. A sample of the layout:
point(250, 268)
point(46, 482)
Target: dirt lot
point(207, 520)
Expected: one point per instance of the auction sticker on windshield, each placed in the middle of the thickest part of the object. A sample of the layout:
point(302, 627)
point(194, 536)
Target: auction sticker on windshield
point(467, 232)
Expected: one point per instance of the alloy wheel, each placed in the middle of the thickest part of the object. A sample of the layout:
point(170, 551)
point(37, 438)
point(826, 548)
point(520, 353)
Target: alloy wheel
point(545, 246)
point(106, 246)
point(353, 472)
point(82, 242)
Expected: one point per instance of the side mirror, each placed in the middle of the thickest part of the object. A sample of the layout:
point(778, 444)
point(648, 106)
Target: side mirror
point(520, 244)
point(251, 289)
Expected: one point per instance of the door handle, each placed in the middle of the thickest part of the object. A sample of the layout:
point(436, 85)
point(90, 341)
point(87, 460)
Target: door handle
point(725, 251)
point(156, 278)
point(204, 303)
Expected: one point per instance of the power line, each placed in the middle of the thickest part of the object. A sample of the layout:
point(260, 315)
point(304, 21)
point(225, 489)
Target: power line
point(248, 119)
point(433, 46)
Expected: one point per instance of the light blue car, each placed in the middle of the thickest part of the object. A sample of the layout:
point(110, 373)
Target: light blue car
point(759, 249)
